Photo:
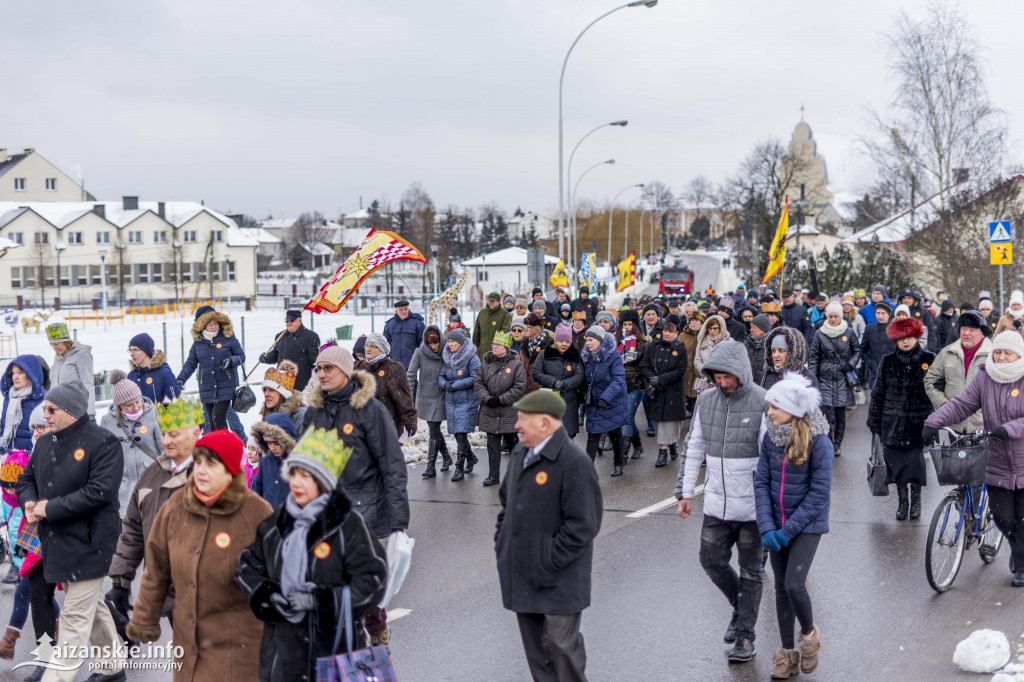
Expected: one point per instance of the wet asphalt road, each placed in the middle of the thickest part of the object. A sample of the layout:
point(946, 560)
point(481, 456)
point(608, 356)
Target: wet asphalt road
point(705, 272)
point(656, 616)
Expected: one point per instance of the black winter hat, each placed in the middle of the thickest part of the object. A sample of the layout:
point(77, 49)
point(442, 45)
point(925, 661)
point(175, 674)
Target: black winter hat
point(971, 319)
point(947, 305)
point(537, 290)
point(652, 306)
point(882, 305)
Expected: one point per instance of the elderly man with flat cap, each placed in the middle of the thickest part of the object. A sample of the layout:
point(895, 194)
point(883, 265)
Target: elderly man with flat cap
point(404, 331)
point(295, 343)
point(550, 514)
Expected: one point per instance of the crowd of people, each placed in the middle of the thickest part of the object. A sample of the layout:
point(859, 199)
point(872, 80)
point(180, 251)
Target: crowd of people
point(281, 521)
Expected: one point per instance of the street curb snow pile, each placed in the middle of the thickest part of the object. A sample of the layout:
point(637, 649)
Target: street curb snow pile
point(415, 448)
point(984, 651)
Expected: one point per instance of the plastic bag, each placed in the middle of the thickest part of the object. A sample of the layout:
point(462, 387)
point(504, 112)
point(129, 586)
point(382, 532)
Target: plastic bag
point(399, 553)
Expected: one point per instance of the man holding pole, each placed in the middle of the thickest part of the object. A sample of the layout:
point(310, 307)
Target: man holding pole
point(295, 343)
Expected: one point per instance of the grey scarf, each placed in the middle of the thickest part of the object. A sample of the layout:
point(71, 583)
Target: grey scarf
point(294, 559)
point(779, 433)
point(13, 416)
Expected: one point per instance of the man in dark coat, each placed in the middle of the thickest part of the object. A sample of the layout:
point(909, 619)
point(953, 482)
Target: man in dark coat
point(295, 343)
point(945, 324)
point(404, 332)
point(737, 330)
point(795, 315)
point(754, 343)
point(586, 304)
point(912, 299)
point(876, 344)
point(70, 488)
point(550, 514)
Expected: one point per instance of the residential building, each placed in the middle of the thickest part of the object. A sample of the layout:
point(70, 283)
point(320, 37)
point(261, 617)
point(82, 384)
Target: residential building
point(30, 177)
point(504, 270)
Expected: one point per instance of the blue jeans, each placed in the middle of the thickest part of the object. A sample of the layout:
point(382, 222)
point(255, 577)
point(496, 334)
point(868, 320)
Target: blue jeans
point(634, 398)
point(650, 422)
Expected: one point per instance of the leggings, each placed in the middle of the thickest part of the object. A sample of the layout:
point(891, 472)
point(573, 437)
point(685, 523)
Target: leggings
point(1007, 511)
point(792, 602)
point(44, 606)
point(218, 414)
point(615, 436)
point(837, 418)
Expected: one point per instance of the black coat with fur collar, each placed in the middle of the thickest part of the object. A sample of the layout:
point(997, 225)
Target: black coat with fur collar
point(562, 372)
point(375, 476)
point(340, 551)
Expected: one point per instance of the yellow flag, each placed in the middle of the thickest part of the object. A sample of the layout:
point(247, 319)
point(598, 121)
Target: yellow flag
point(777, 252)
point(559, 278)
point(627, 271)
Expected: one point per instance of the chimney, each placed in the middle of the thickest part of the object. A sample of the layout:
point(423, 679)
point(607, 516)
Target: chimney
point(160, 210)
point(130, 203)
point(100, 210)
point(3, 155)
point(29, 150)
point(963, 175)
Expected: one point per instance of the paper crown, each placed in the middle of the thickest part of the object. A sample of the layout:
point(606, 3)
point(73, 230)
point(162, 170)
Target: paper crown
point(323, 447)
point(502, 339)
point(773, 307)
point(280, 379)
point(180, 414)
point(579, 315)
point(57, 331)
point(13, 465)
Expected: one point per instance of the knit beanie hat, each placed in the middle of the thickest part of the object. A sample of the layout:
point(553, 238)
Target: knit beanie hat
point(762, 322)
point(563, 332)
point(380, 342)
point(71, 396)
point(502, 339)
point(651, 306)
point(605, 316)
point(453, 316)
point(203, 309)
point(323, 454)
point(882, 305)
point(902, 308)
point(794, 394)
point(595, 332)
point(37, 418)
point(834, 308)
point(1010, 340)
point(779, 341)
point(539, 306)
point(337, 356)
point(518, 322)
point(1017, 296)
point(910, 327)
point(564, 307)
point(521, 302)
point(145, 343)
point(456, 335)
point(124, 391)
point(227, 446)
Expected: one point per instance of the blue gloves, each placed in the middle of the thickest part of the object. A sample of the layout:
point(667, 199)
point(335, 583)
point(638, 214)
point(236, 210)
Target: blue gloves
point(775, 540)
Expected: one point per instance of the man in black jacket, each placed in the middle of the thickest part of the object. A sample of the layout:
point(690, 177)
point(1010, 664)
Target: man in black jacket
point(70, 489)
point(295, 343)
point(795, 315)
point(550, 514)
point(876, 344)
point(912, 299)
point(945, 324)
point(726, 308)
point(586, 304)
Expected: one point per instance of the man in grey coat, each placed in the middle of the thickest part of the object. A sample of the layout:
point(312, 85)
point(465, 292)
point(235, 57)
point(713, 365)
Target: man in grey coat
point(947, 378)
point(550, 514)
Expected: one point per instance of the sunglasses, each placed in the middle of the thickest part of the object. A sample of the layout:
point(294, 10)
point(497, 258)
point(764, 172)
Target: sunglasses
point(50, 411)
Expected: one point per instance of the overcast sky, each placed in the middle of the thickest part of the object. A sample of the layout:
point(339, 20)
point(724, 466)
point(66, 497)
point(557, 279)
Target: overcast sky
point(279, 107)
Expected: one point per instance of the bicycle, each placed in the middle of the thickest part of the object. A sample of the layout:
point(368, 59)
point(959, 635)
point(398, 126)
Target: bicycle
point(958, 522)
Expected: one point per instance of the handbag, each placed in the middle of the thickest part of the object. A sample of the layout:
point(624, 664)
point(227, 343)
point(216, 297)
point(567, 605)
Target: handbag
point(28, 538)
point(244, 399)
point(399, 556)
point(877, 473)
point(700, 384)
point(355, 666)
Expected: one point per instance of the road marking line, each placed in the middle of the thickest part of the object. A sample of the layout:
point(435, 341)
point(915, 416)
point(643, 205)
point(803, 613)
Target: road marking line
point(658, 506)
point(395, 614)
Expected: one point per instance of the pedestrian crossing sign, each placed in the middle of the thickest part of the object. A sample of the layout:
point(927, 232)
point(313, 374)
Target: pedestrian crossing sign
point(1001, 254)
point(1000, 231)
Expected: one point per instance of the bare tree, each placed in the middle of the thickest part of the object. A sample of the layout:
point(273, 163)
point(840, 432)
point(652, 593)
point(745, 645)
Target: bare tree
point(699, 192)
point(309, 228)
point(421, 216)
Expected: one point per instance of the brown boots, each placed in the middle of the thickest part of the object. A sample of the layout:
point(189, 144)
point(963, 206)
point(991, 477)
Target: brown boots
point(792, 662)
point(787, 664)
point(809, 647)
point(8, 642)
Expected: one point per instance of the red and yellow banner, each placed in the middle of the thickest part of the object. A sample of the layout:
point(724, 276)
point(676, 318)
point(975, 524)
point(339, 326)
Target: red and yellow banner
point(559, 278)
point(627, 271)
point(777, 252)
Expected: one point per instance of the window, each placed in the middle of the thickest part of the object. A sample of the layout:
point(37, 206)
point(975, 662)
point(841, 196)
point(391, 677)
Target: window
point(135, 237)
point(158, 273)
point(29, 277)
point(80, 275)
point(160, 237)
point(51, 184)
point(231, 271)
point(190, 236)
point(16, 278)
point(48, 276)
point(65, 275)
point(126, 273)
point(142, 273)
point(17, 237)
point(94, 275)
point(217, 235)
point(186, 272)
point(102, 237)
point(111, 274)
point(42, 237)
point(19, 184)
point(76, 238)
point(803, 187)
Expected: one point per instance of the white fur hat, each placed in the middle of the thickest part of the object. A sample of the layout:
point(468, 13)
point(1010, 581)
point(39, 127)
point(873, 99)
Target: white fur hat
point(1010, 340)
point(1017, 296)
point(834, 308)
point(794, 394)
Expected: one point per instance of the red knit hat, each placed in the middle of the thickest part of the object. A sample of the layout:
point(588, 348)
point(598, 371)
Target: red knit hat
point(226, 446)
point(907, 327)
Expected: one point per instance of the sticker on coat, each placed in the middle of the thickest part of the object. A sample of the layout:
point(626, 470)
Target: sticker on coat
point(223, 540)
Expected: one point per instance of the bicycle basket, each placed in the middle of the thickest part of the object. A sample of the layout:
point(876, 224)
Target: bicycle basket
point(960, 465)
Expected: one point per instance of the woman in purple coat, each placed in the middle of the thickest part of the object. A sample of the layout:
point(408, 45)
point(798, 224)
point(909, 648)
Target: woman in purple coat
point(997, 392)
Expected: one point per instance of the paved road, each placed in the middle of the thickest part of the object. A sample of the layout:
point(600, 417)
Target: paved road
point(656, 616)
point(705, 272)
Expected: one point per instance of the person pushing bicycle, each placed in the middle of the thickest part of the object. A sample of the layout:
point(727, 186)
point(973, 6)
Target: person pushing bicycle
point(998, 391)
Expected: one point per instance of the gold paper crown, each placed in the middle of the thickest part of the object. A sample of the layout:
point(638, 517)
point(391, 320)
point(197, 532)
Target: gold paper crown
point(180, 414)
point(773, 307)
point(58, 331)
point(502, 339)
point(579, 315)
point(324, 447)
point(285, 380)
point(10, 471)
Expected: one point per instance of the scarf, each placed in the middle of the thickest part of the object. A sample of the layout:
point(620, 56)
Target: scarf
point(209, 336)
point(1005, 372)
point(134, 416)
point(211, 499)
point(534, 344)
point(779, 433)
point(294, 554)
point(13, 416)
point(375, 360)
point(969, 354)
point(832, 332)
point(1015, 314)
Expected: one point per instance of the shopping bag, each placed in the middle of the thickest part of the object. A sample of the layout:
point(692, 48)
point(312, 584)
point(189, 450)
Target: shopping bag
point(700, 384)
point(399, 553)
point(28, 538)
point(876, 468)
point(363, 665)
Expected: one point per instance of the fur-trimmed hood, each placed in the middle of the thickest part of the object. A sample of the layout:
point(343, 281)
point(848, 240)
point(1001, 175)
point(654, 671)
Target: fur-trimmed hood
point(779, 433)
point(797, 357)
point(608, 346)
point(277, 428)
point(156, 362)
point(723, 331)
point(228, 502)
point(364, 392)
point(213, 316)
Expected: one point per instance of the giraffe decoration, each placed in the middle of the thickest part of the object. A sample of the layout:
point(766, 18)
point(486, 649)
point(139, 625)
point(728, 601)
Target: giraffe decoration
point(438, 309)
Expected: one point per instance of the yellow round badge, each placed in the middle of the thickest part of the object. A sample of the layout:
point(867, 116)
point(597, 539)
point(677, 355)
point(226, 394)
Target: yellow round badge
point(541, 477)
point(844, 338)
point(347, 429)
point(322, 551)
point(508, 370)
point(149, 380)
point(675, 352)
point(494, 323)
point(218, 345)
point(568, 368)
point(924, 366)
point(380, 373)
point(222, 540)
point(1015, 392)
point(79, 454)
point(143, 429)
point(459, 372)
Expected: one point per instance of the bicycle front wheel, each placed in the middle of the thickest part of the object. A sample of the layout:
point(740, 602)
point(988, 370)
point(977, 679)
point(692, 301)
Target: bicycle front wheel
point(947, 537)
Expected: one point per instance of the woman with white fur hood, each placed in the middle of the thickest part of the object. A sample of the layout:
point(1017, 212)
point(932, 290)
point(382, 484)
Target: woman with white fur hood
point(792, 490)
point(1013, 318)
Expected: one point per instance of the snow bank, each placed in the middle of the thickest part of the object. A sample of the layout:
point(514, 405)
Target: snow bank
point(984, 651)
point(415, 448)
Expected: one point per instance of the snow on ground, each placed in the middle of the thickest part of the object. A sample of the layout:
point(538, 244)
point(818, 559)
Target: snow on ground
point(984, 651)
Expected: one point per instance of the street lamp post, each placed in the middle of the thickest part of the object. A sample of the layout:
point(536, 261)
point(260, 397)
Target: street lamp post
point(59, 246)
point(568, 171)
point(572, 199)
point(434, 248)
point(103, 278)
point(611, 212)
point(561, 81)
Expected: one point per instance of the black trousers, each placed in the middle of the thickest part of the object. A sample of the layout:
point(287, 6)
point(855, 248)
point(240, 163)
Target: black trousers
point(40, 598)
point(554, 646)
point(837, 418)
point(218, 413)
point(1008, 512)
point(593, 439)
point(792, 603)
point(494, 441)
point(743, 591)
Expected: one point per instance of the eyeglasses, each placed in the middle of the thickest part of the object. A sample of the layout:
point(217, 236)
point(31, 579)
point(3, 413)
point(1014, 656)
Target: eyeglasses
point(50, 411)
point(325, 369)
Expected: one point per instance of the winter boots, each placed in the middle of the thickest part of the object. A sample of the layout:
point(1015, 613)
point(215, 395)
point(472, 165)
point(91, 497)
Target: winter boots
point(672, 452)
point(8, 642)
point(809, 647)
point(903, 506)
point(662, 458)
point(431, 471)
point(915, 501)
point(446, 459)
point(602, 445)
point(460, 464)
point(787, 664)
point(638, 447)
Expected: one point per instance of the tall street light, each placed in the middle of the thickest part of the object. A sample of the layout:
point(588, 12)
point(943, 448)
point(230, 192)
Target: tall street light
point(568, 174)
point(611, 213)
point(103, 278)
point(572, 200)
point(59, 246)
point(561, 80)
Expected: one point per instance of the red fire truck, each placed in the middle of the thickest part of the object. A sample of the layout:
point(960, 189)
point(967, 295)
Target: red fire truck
point(675, 280)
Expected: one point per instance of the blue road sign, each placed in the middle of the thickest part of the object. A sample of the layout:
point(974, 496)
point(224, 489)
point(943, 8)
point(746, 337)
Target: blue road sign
point(1000, 231)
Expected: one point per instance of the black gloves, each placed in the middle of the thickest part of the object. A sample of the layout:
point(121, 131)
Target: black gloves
point(119, 596)
point(999, 433)
point(410, 432)
point(655, 382)
point(181, 384)
point(846, 368)
point(602, 403)
point(493, 402)
point(226, 365)
point(929, 435)
point(559, 386)
point(263, 359)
